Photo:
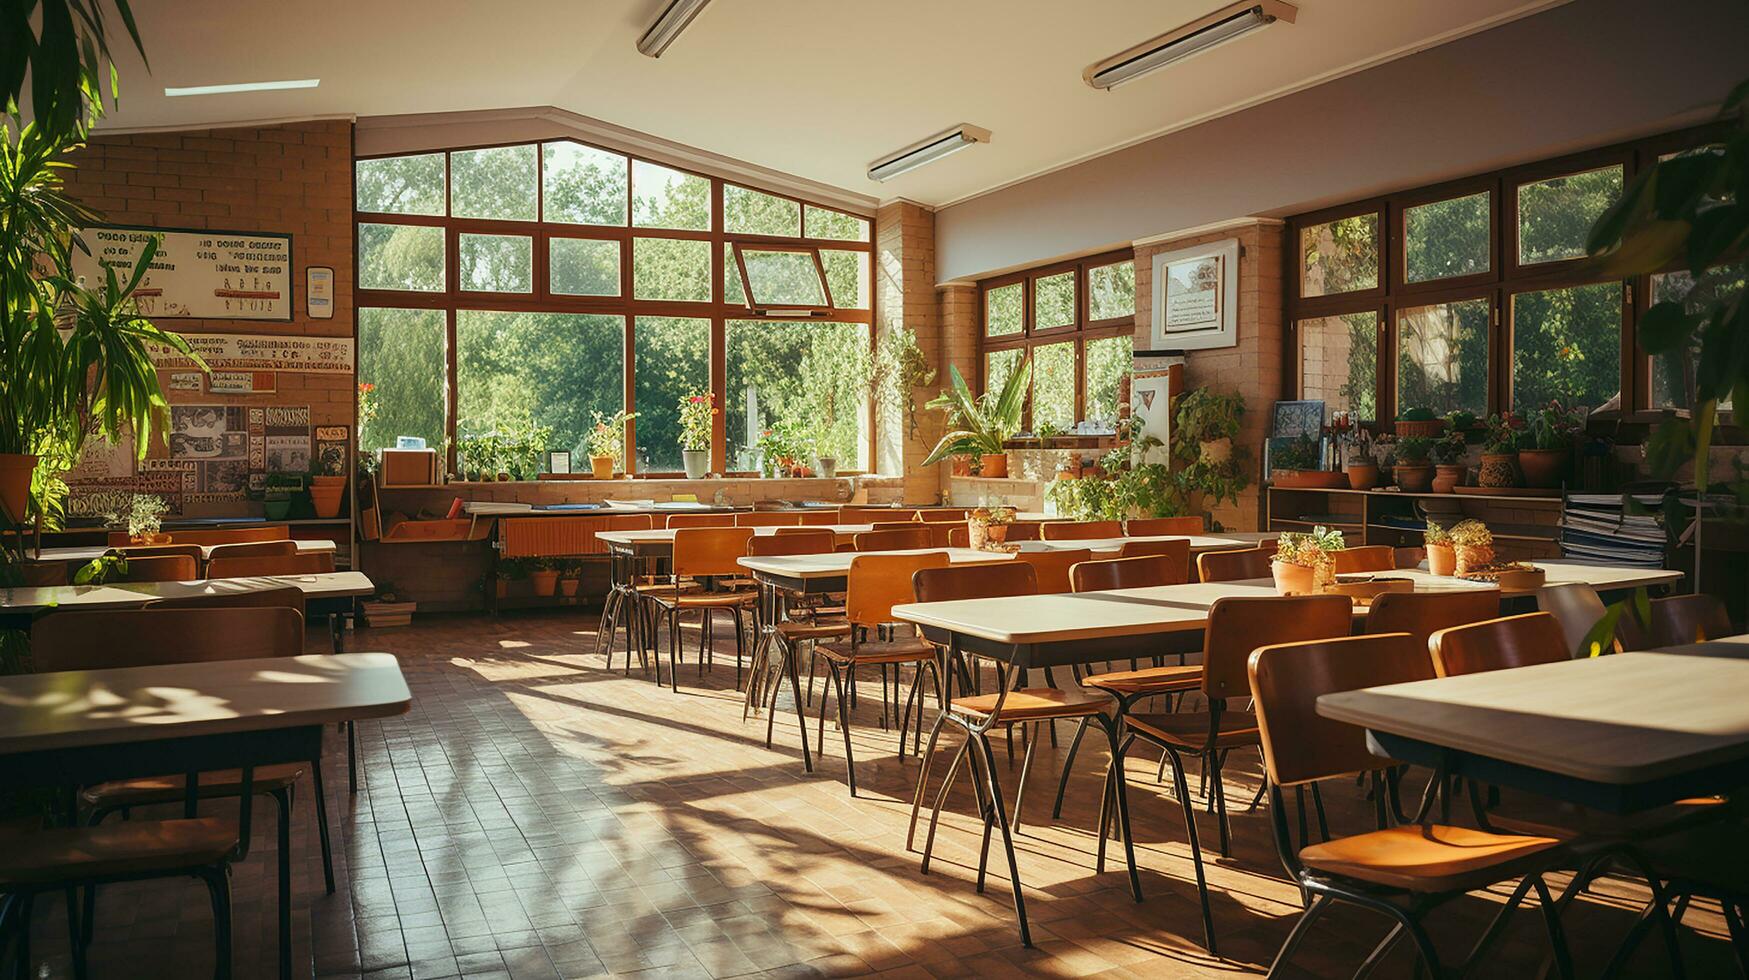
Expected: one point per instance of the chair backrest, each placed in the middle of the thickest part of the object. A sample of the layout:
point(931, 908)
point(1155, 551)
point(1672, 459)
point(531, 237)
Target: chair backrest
point(1366, 558)
point(1286, 680)
point(877, 583)
point(1052, 567)
point(227, 535)
point(982, 581)
point(818, 518)
point(959, 537)
point(813, 541)
point(159, 551)
point(938, 515)
point(768, 518)
point(709, 550)
point(1683, 619)
point(1497, 644)
point(162, 568)
point(289, 597)
point(629, 522)
point(1081, 530)
point(42, 574)
point(1577, 606)
point(311, 564)
point(138, 637)
point(1144, 526)
point(1125, 573)
point(701, 520)
point(1409, 557)
point(849, 514)
point(1237, 626)
point(906, 539)
point(894, 525)
point(1024, 530)
point(254, 549)
point(1233, 566)
point(1422, 614)
point(1177, 550)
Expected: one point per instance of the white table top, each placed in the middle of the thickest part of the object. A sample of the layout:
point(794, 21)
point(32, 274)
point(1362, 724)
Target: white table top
point(1171, 608)
point(507, 508)
point(78, 708)
point(1623, 719)
point(837, 564)
point(125, 595)
point(88, 552)
point(666, 535)
point(1198, 543)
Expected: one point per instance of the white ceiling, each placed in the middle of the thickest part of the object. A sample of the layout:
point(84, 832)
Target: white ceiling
point(813, 88)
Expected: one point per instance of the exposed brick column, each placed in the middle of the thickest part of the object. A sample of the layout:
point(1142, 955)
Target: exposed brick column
point(905, 297)
point(959, 348)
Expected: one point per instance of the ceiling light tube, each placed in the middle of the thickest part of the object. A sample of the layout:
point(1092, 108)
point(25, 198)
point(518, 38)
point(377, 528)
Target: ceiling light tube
point(242, 87)
point(1226, 24)
point(927, 151)
point(673, 19)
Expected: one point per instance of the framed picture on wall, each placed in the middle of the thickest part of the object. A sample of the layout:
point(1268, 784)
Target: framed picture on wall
point(559, 461)
point(1196, 297)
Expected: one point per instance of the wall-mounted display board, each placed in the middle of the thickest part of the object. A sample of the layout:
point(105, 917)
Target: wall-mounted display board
point(259, 352)
point(1196, 297)
point(218, 275)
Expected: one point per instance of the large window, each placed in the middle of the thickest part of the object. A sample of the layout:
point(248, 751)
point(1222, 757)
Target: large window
point(1476, 295)
point(542, 283)
point(1077, 322)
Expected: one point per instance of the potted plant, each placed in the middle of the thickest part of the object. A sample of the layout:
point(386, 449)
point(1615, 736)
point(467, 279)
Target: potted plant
point(988, 525)
point(1363, 469)
point(570, 576)
point(511, 570)
point(102, 570)
point(1473, 545)
point(146, 519)
point(983, 425)
point(543, 576)
point(900, 367)
point(387, 609)
point(1543, 454)
point(1210, 421)
point(697, 411)
point(1449, 470)
point(1295, 464)
point(1418, 421)
point(1414, 471)
point(607, 444)
point(1306, 563)
point(1441, 556)
point(1499, 453)
point(277, 494)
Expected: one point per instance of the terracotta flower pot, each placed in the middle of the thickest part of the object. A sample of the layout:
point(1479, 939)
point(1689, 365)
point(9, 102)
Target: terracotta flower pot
point(545, 581)
point(1431, 428)
point(959, 466)
point(996, 532)
point(993, 465)
point(1543, 467)
point(326, 499)
point(1293, 579)
point(16, 470)
point(1498, 470)
point(502, 588)
point(1363, 476)
point(601, 467)
point(568, 586)
point(1415, 478)
point(1442, 559)
point(1448, 475)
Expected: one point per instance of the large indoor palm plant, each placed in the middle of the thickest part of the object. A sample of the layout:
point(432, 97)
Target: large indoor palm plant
point(980, 426)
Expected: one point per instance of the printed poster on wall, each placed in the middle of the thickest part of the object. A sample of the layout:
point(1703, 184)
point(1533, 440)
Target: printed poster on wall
point(1196, 297)
point(211, 442)
point(219, 275)
point(258, 352)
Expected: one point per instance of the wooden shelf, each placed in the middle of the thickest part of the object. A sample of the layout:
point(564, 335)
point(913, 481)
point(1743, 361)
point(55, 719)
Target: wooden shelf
point(1390, 494)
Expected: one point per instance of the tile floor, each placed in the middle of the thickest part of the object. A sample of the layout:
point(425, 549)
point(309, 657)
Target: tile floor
point(538, 816)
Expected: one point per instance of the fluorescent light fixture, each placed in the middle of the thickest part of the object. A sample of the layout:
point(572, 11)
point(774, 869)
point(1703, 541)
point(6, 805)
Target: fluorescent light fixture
point(243, 87)
point(673, 19)
point(1228, 23)
point(927, 151)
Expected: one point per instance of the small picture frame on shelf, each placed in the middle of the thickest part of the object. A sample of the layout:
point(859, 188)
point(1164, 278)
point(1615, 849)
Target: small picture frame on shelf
point(559, 461)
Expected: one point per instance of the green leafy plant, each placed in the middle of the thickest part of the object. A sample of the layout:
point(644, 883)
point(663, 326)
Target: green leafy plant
point(1502, 435)
point(1460, 420)
point(146, 515)
point(102, 569)
point(1299, 454)
point(1414, 450)
point(1417, 414)
point(516, 569)
point(1435, 535)
point(607, 437)
point(1554, 427)
point(1205, 415)
point(900, 368)
point(1310, 548)
point(697, 409)
point(1450, 448)
point(979, 426)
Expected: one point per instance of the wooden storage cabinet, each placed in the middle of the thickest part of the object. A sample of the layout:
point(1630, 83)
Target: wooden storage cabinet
point(1525, 527)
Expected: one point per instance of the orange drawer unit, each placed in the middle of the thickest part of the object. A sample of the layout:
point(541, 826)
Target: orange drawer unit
point(548, 537)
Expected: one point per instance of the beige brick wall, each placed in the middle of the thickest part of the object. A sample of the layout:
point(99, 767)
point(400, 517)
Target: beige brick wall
point(905, 296)
point(1254, 367)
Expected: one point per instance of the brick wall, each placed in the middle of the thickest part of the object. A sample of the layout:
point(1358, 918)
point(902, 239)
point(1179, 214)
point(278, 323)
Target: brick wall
point(905, 296)
point(1253, 367)
point(959, 328)
point(292, 179)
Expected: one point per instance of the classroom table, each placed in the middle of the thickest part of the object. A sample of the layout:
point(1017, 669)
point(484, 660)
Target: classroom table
point(88, 552)
point(814, 574)
point(659, 542)
point(1199, 543)
point(83, 727)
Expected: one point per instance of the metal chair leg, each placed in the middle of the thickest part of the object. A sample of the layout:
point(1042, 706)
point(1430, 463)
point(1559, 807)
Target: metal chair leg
point(322, 823)
point(352, 756)
point(75, 934)
point(1025, 767)
point(1298, 934)
point(1069, 761)
point(218, 883)
point(1007, 838)
point(1202, 889)
point(953, 770)
point(924, 762)
point(282, 798)
point(844, 723)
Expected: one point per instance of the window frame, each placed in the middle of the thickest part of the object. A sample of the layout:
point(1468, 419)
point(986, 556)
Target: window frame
point(753, 304)
point(717, 309)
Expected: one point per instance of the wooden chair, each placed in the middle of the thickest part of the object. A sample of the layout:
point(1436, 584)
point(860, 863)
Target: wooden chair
point(699, 553)
point(226, 535)
point(159, 551)
point(1496, 644)
point(1175, 550)
point(1236, 626)
point(161, 568)
point(768, 518)
point(254, 549)
point(1579, 608)
point(1024, 530)
point(943, 515)
point(1052, 567)
point(959, 537)
point(1366, 558)
point(894, 525)
point(910, 538)
point(203, 847)
point(316, 563)
point(1422, 614)
point(818, 518)
point(1233, 566)
point(1142, 571)
point(978, 714)
point(289, 597)
point(787, 628)
point(848, 514)
point(1681, 619)
point(701, 520)
point(875, 584)
point(1409, 557)
point(1402, 871)
point(1080, 530)
point(1142, 527)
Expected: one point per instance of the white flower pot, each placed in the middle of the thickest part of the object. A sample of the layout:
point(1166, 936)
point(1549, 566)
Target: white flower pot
point(697, 462)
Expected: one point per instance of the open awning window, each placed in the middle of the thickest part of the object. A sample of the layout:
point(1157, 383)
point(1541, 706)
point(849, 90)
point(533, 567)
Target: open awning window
point(783, 278)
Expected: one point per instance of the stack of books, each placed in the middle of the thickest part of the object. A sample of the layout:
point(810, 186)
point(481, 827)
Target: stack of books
point(1624, 530)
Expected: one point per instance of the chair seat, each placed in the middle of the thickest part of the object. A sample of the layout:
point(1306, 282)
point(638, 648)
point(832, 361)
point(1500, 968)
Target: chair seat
point(807, 630)
point(170, 789)
point(1712, 859)
point(1435, 858)
point(1603, 828)
point(115, 849)
point(1190, 729)
point(1033, 704)
point(705, 600)
point(1163, 680)
point(908, 650)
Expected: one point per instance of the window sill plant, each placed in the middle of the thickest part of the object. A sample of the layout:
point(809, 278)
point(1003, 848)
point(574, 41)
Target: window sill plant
point(1499, 453)
point(1449, 469)
point(697, 412)
point(1414, 470)
point(983, 425)
point(1552, 432)
point(1419, 422)
point(606, 444)
point(1306, 563)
